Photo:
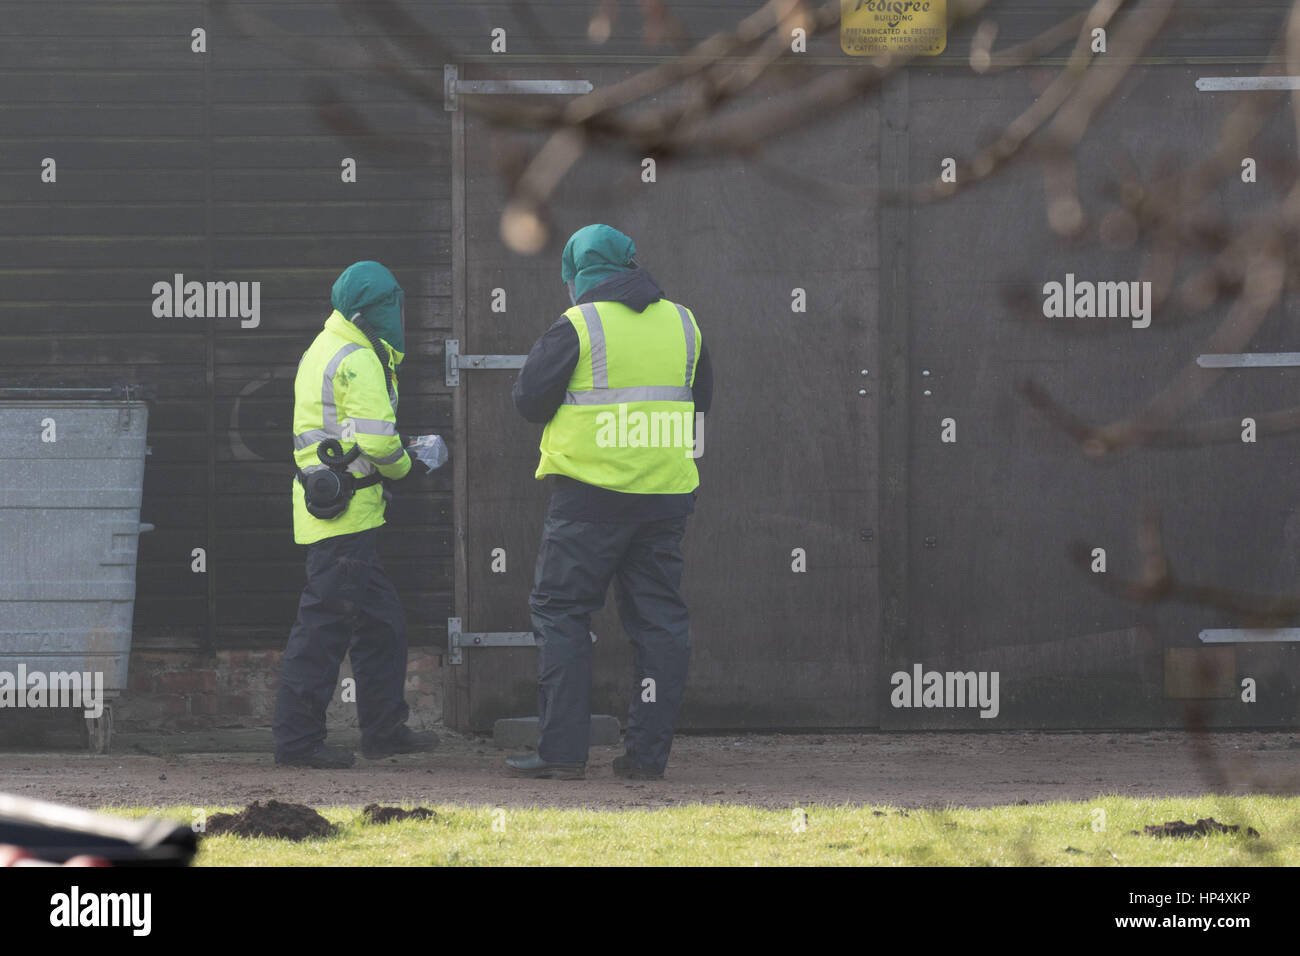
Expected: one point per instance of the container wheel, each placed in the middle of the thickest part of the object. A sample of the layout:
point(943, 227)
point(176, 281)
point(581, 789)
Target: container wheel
point(99, 731)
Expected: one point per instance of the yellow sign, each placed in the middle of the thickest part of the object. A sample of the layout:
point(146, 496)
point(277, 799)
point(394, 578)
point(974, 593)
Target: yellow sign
point(872, 27)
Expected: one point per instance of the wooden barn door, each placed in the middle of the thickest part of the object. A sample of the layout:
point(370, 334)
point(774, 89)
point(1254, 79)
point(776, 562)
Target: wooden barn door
point(781, 569)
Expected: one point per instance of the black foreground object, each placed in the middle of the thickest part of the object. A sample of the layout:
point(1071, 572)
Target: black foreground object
point(56, 833)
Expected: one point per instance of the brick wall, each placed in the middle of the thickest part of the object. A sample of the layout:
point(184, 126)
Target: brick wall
point(190, 691)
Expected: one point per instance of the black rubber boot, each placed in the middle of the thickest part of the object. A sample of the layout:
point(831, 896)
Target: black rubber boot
point(627, 766)
point(532, 765)
point(403, 741)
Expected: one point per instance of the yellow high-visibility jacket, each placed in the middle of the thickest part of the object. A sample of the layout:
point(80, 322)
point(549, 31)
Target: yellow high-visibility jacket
point(338, 391)
point(627, 420)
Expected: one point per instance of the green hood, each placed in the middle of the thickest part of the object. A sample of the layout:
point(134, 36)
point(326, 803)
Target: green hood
point(369, 288)
point(593, 254)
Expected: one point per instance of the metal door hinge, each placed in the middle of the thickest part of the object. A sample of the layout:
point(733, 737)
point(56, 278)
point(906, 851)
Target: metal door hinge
point(1249, 360)
point(1250, 635)
point(456, 639)
point(1213, 84)
point(456, 361)
point(453, 87)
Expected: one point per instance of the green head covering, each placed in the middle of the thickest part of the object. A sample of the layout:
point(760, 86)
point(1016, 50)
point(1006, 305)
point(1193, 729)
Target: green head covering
point(592, 255)
point(369, 288)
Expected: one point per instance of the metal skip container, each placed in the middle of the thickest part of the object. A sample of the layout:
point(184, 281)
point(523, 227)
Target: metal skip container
point(71, 479)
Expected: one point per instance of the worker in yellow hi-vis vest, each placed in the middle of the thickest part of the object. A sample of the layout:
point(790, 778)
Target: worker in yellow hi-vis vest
point(345, 444)
point(622, 382)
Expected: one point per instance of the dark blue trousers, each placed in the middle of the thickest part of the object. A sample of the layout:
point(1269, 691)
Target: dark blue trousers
point(348, 607)
point(576, 562)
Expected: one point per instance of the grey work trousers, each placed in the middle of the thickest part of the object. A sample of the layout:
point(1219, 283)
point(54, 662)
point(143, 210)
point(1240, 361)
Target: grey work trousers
point(576, 562)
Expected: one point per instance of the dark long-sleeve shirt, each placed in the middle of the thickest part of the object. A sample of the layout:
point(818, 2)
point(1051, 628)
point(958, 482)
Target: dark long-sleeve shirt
point(539, 392)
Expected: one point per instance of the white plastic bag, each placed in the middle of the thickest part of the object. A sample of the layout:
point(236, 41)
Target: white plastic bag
point(428, 450)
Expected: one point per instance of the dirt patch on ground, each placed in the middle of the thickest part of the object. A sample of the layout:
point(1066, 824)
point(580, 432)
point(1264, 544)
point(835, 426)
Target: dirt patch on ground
point(285, 821)
point(374, 813)
point(777, 771)
point(1204, 827)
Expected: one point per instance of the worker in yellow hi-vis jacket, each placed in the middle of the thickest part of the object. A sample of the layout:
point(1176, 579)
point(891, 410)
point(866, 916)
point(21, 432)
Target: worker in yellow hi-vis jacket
point(622, 381)
point(345, 444)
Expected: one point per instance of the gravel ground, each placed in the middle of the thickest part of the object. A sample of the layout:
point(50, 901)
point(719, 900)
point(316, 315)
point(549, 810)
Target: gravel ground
point(771, 770)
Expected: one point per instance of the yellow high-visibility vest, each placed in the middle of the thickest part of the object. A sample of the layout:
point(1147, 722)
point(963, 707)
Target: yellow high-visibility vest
point(628, 418)
point(339, 391)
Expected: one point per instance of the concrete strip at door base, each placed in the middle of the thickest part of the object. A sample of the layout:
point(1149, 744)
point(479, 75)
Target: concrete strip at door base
point(514, 732)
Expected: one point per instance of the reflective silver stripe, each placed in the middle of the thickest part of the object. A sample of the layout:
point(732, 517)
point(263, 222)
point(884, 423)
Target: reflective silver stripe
point(307, 439)
point(596, 336)
point(364, 426)
point(634, 393)
point(374, 426)
point(390, 459)
point(330, 410)
point(689, 328)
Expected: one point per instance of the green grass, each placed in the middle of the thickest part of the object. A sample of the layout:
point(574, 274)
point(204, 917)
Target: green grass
point(1036, 835)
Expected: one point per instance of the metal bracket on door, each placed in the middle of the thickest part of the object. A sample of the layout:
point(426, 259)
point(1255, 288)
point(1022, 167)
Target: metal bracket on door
point(1249, 360)
point(456, 361)
point(453, 87)
point(1224, 84)
point(456, 639)
point(1250, 635)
